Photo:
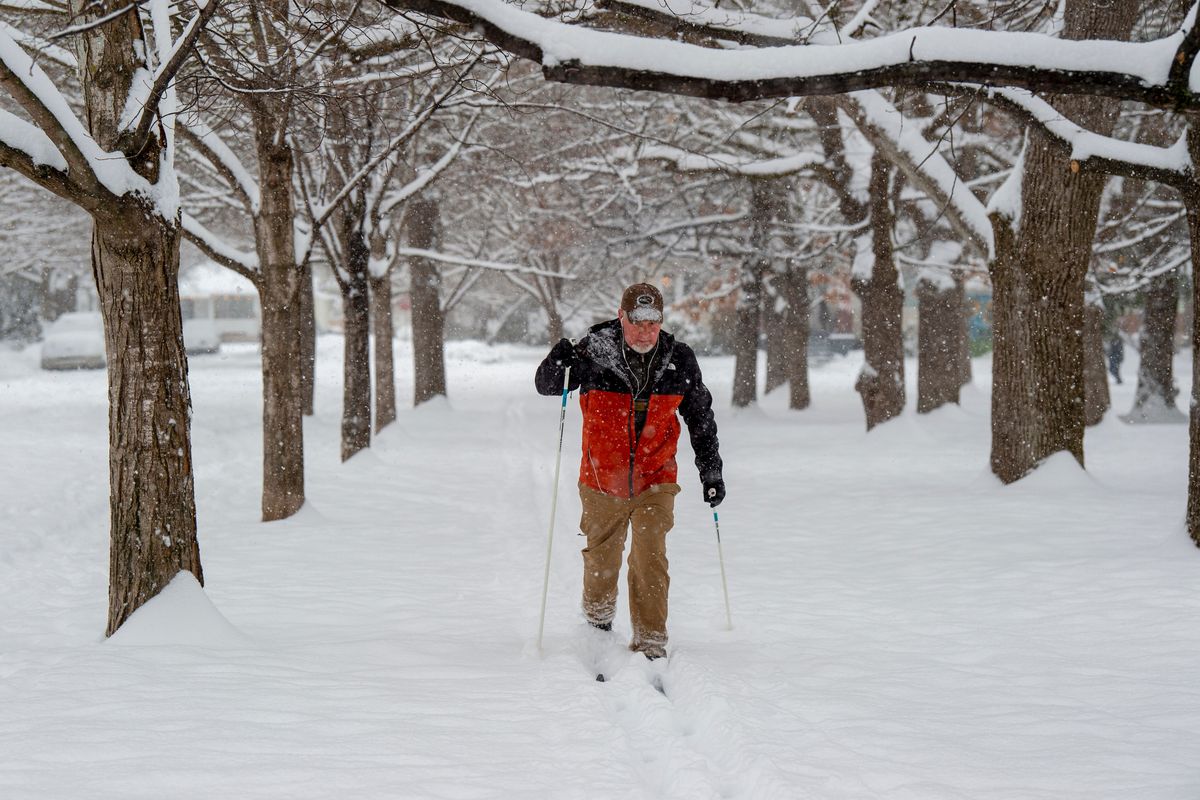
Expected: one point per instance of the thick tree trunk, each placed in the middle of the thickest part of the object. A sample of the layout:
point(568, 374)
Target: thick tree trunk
point(1012, 380)
point(385, 367)
point(881, 382)
point(428, 319)
point(356, 307)
point(750, 296)
point(1154, 400)
point(793, 286)
point(939, 340)
point(1191, 199)
point(1038, 382)
point(749, 308)
point(135, 262)
point(1096, 400)
point(135, 256)
point(283, 353)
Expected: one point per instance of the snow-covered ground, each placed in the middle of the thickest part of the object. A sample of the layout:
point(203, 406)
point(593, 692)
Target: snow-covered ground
point(904, 627)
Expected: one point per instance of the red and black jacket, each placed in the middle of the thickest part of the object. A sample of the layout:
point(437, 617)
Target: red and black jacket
point(617, 459)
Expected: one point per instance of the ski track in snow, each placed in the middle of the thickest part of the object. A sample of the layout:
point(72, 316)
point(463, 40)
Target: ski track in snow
point(905, 628)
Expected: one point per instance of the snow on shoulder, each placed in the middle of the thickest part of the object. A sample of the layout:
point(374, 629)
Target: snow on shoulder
point(181, 614)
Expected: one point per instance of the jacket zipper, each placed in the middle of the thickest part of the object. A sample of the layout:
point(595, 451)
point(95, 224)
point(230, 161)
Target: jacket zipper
point(632, 442)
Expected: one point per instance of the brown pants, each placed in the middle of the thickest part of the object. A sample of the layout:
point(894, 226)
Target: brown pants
point(606, 520)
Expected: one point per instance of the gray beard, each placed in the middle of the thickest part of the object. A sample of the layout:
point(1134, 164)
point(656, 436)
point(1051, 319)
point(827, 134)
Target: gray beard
point(640, 349)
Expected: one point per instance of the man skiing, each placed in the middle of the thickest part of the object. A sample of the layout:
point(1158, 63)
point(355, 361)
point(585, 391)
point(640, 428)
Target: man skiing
point(633, 380)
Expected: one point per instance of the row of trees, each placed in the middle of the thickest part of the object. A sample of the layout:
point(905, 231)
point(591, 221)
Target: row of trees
point(377, 142)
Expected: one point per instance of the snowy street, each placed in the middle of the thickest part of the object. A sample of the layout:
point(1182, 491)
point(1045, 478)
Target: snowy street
point(904, 626)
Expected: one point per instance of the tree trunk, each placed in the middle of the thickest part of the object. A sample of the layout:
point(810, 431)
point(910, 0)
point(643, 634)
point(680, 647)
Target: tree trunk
point(135, 256)
point(881, 382)
point(1191, 200)
point(939, 340)
point(356, 364)
point(1096, 400)
point(1038, 383)
point(778, 346)
point(554, 325)
point(963, 347)
point(135, 262)
point(385, 367)
point(428, 320)
point(749, 307)
point(282, 346)
point(1154, 400)
point(750, 297)
point(306, 320)
point(793, 285)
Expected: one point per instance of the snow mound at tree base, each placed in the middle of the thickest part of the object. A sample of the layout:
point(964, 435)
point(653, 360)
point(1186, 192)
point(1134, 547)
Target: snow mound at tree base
point(181, 614)
point(1155, 411)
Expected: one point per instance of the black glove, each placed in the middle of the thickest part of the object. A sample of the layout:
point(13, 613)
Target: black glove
point(564, 355)
point(714, 490)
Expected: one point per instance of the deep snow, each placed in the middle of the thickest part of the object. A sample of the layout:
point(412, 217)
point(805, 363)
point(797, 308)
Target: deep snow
point(904, 627)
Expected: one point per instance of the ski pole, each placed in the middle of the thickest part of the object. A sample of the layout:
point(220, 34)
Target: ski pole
point(724, 584)
point(562, 419)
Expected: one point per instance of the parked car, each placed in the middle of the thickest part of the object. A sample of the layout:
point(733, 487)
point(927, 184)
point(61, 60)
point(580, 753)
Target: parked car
point(201, 335)
point(74, 341)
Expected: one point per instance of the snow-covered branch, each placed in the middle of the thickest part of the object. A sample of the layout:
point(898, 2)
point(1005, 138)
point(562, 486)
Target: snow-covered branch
point(428, 174)
point(685, 161)
point(922, 164)
point(1168, 165)
point(215, 248)
point(449, 258)
point(430, 106)
point(173, 60)
point(214, 150)
point(55, 124)
point(1143, 71)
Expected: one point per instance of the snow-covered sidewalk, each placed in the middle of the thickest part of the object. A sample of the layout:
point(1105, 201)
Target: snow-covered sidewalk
point(905, 627)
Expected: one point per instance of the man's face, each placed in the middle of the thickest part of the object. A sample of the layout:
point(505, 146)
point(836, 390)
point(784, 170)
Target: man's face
point(640, 336)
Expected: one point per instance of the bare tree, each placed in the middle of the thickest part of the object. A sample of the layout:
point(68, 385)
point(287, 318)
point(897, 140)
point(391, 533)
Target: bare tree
point(119, 168)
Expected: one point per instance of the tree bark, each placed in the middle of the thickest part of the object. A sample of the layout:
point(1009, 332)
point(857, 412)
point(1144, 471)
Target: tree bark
point(1038, 404)
point(793, 285)
point(306, 320)
point(428, 320)
point(749, 307)
point(939, 339)
point(1191, 200)
point(283, 353)
point(385, 367)
point(1154, 399)
point(778, 347)
point(356, 363)
point(963, 347)
point(135, 255)
point(554, 325)
point(881, 382)
point(750, 297)
point(135, 262)
point(1096, 399)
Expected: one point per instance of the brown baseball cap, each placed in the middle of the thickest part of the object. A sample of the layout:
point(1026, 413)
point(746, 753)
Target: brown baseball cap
point(642, 302)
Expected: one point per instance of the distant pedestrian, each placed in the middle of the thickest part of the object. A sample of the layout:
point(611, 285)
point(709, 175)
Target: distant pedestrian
point(1116, 354)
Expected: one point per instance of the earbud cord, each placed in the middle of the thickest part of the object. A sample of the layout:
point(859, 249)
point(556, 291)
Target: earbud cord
point(650, 363)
